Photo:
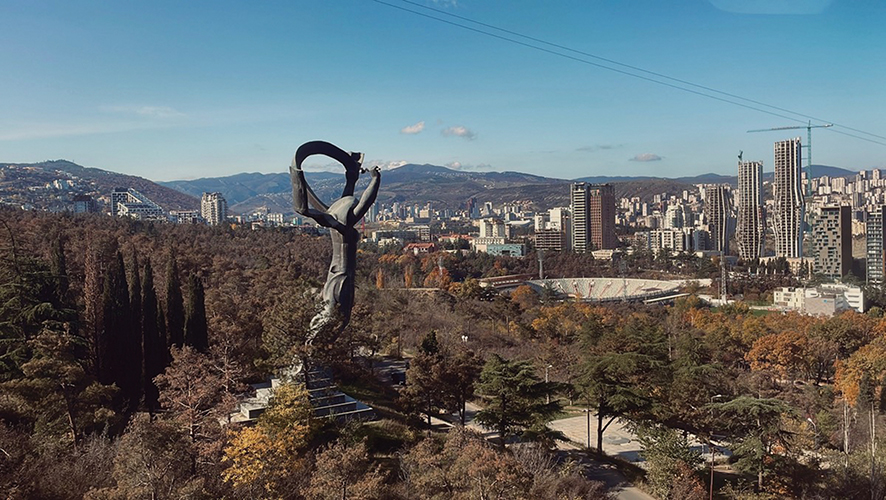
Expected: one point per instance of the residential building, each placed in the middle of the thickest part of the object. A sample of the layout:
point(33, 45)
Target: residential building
point(832, 242)
point(131, 203)
point(593, 217)
point(718, 213)
point(789, 204)
point(751, 218)
point(578, 196)
point(876, 249)
point(213, 208)
point(85, 204)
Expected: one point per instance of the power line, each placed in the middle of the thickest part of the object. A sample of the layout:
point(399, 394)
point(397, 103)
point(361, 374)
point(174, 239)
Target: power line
point(623, 65)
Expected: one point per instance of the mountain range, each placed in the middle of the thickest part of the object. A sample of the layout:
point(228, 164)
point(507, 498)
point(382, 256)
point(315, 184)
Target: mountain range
point(444, 187)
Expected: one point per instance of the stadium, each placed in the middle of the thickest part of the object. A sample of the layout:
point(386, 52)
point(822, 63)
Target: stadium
point(607, 289)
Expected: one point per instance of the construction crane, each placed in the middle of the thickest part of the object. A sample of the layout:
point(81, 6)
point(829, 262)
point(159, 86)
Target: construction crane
point(809, 126)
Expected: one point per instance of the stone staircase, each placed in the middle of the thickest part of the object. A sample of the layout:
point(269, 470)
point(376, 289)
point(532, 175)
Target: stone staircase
point(327, 400)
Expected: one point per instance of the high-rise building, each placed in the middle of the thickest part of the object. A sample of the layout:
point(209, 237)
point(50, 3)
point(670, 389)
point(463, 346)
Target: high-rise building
point(876, 246)
point(751, 219)
point(788, 191)
point(602, 216)
point(213, 208)
point(832, 242)
point(593, 217)
point(718, 213)
point(578, 196)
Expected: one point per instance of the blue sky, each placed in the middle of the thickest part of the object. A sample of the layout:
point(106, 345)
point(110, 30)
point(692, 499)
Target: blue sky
point(178, 90)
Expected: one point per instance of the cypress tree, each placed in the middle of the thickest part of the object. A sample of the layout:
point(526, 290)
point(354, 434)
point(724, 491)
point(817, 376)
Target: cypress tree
point(165, 357)
point(59, 272)
point(175, 308)
point(196, 330)
point(115, 313)
point(135, 339)
point(154, 344)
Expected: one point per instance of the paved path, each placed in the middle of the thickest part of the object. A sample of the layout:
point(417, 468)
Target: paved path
point(617, 440)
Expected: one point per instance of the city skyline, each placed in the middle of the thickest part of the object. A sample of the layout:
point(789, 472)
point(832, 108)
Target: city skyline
point(189, 91)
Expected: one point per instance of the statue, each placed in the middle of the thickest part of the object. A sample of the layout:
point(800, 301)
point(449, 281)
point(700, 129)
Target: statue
point(340, 217)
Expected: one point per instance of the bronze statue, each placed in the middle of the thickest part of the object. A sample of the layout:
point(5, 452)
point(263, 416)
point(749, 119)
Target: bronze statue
point(340, 218)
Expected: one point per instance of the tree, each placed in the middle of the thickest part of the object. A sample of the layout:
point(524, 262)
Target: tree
point(669, 457)
point(117, 331)
point(135, 339)
point(343, 470)
point(175, 308)
point(153, 461)
point(196, 330)
point(621, 370)
point(154, 342)
point(514, 397)
point(267, 459)
point(193, 393)
point(458, 374)
point(60, 395)
point(423, 384)
point(757, 426)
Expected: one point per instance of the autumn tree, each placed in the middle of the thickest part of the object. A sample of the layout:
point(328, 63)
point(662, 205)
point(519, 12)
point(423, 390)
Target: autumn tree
point(153, 461)
point(267, 460)
point(464, 466)
point(343, 470)
point(193, 393)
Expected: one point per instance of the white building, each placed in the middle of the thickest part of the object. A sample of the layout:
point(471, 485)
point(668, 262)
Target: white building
point(213, 208)
point(788, 191)
point(824, 300)
point(751, 221)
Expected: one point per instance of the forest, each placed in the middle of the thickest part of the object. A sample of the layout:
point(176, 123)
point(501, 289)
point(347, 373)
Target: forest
point(125, 346)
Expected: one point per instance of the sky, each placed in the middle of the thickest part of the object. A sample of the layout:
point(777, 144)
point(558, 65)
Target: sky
point(181, 90)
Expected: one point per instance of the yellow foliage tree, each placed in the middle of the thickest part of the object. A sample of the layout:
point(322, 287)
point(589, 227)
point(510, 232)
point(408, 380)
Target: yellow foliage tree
point(267, 459)
point(869, 360)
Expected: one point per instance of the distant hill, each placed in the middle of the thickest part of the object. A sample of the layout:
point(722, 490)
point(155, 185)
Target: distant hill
point(98, 182)
point(817, 171)
point(442, 187)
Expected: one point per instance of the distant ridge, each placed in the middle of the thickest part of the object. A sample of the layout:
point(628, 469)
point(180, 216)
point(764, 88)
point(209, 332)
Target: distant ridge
point(444, 187)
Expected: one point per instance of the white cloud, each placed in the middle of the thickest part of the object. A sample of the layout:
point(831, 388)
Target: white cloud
point(145, 111)
point(646, 157)
point(446, 3)
point(456, 165)
point(413, 129)
point(459, 131)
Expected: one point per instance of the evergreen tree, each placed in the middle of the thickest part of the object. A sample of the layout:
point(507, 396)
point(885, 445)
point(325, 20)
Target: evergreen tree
point(116, 324)
point(175, 308)
point(515, 398)
point(196, 330)
point(154, 343)
point(135, 337)
point(59, 270)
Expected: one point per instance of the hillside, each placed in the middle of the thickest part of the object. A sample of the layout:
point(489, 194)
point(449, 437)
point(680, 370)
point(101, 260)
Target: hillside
point(20, 182)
